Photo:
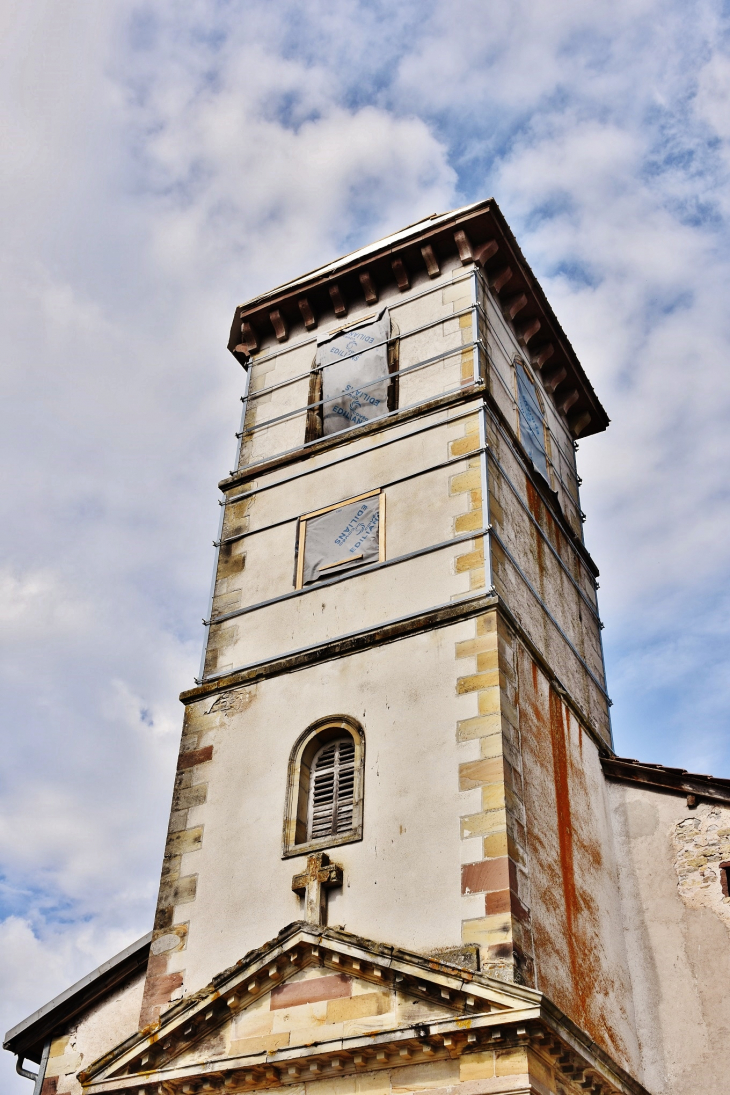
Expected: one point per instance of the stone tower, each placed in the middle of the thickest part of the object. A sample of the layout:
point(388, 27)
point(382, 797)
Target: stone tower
point(401, 568)
point(391, 861)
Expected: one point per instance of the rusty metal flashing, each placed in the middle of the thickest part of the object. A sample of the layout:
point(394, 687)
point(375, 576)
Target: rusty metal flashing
point(27, 1038)
point(676, 781)
point(485, 223)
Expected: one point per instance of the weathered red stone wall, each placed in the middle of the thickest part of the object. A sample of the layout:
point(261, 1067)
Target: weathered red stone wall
point(580, 956)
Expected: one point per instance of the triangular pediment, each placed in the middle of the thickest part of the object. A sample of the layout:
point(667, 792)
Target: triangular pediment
point(310, 992)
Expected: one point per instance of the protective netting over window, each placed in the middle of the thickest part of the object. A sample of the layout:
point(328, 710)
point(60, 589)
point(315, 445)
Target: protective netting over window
point(332, 789)
point(341, 539)
point(532, 425)
point(354, 370)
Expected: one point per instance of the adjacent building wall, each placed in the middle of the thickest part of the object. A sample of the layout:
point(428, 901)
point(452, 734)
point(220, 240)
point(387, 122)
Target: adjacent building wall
point(91, 1035)
point(676, 922)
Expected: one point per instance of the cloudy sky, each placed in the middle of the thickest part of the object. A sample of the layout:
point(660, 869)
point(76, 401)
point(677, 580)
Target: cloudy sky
point(164, 161)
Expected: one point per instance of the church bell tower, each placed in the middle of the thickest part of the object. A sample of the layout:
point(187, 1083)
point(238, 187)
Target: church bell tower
point(389, 860)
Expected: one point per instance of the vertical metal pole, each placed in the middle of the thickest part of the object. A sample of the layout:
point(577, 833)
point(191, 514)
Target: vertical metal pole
point(482, 366)
point(42, 1068)
point(244, 400)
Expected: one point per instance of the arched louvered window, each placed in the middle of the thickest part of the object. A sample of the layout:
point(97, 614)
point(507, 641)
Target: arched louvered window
point(331, 788)
point(324, 804)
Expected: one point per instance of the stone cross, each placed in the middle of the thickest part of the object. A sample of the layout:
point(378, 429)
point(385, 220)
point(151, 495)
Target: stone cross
point(312, 884)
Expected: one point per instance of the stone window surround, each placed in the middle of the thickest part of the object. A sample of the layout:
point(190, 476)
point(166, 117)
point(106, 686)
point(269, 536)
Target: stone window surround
point(314, 420)
point(294, 842)
point(301, 533)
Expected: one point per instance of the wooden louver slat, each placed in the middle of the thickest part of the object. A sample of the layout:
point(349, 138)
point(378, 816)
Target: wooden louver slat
point(332, 789)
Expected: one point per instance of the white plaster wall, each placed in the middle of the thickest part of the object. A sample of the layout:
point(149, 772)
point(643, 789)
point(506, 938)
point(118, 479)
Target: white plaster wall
point(402, 882)
point(98, 1030)
point(679, 955)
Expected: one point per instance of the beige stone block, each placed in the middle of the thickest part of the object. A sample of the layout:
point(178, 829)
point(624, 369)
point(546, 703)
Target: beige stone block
point(464, 445)
point(487, 623)
point(481, 644)
point(515, 852)
point(468, 522)
point(373, 1083)
point(496, 845)
point(466, 480)
point(458, 291)
point(492, 745)
point(335, 1085)
point(425, 1076)
point(188, 840)
point(58, 1046)
point(489, 661)
point(511, 1062)
point(467, 361)
point(493, 796)
point(369, 1024)
point(487, 930)
point(490, 700)
point(355, 1007)
point(470, 560)
point(267, 1043)
point(481, 824)
point(477, 682)
point(301, 1015)
point(316, 1032)
point(479, 727)
point(539, 1070)
point(514, 804)
point(255, 1021)
point(477, 1066)
point(477, 772)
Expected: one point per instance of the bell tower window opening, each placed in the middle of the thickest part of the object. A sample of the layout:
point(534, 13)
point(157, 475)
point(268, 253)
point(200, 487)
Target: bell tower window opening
point(324, 798)
point(351, 382)
point(532, 420)
point(725, 878)
point(331, 788)
point(339, 538)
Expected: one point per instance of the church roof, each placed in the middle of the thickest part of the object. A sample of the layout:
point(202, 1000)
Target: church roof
point(659, 777)
point(475, 233)
point(27, 1038)
point(433, 1011)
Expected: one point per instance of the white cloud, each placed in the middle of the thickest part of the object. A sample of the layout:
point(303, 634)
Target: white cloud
point(167, 162)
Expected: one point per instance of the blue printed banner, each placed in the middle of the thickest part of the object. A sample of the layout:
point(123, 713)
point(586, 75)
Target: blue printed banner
point(355, 378)
point(341, 539)
point(532, 426)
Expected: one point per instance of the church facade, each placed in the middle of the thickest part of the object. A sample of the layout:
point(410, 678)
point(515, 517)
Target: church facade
point(402, 854)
